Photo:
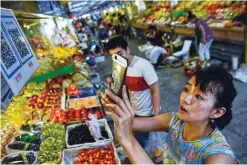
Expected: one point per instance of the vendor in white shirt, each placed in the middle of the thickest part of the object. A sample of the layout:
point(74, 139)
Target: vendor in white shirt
point(158, 54)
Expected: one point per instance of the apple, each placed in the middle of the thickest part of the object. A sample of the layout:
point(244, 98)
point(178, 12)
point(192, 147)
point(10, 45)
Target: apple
point(32, 101)
point(43, 95)
point(59, 80)
point(34, 97)
point(40, 105)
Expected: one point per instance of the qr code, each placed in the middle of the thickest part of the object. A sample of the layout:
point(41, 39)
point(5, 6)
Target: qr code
point(7, 56)
point(19, 42)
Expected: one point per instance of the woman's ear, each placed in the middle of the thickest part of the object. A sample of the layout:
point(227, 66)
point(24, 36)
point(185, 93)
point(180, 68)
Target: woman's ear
point(218, 112)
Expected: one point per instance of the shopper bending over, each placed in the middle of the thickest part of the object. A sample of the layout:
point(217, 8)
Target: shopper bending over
point(193, 132)
point(158, 54)
point(142, 83)
point(204, 36)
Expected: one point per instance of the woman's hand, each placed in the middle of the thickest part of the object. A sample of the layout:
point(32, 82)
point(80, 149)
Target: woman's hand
point(105, 99)
point(122, 115)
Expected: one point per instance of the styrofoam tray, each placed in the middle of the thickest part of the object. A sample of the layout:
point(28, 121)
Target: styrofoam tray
point(102, 122)
point(17, 153)
point(69, 155)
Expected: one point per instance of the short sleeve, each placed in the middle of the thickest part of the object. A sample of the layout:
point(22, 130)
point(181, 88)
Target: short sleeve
point(220, 149)
point(162, 50)
point(174, 120)
point(149, 73)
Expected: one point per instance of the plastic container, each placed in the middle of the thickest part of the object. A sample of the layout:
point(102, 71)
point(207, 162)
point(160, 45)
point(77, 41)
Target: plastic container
point(102, 122)
point(235, 61)
point(69, 155)
point(17, 153)
point(95, 78)
point(9, 150)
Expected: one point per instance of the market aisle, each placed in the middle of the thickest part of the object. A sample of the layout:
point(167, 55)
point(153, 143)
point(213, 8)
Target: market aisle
point(172, 82)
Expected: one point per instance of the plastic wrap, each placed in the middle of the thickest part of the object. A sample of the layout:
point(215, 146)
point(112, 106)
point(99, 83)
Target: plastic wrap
point(102, 122)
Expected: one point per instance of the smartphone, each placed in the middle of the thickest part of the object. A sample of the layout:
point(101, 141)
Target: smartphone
point(119, 68)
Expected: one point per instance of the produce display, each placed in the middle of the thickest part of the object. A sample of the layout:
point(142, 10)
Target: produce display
point(96, 156)
point(23, 146)
point(8, 132)
point(159, 13)
point(79, 135)
point(27, 138)
point(20, 158)
point(33, 127)
point(217, 13)
point(53, 144)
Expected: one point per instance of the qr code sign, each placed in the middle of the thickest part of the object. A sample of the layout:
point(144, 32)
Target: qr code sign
point(7, 56)
point(19, 42)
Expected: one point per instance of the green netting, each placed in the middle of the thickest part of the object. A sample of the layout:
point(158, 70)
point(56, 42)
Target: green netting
point(49, 75)
point(178, 13)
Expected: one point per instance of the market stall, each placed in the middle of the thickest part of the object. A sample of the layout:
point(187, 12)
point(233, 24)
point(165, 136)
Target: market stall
point(57, 117)
point(225, 18)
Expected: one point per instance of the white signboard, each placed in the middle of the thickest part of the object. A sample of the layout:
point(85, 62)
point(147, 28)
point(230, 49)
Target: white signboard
point(140, 5)
point(6, 93)
point(173, 3)
point(18, 61)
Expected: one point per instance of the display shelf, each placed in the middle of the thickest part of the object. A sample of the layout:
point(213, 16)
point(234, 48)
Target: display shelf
point(230, 35)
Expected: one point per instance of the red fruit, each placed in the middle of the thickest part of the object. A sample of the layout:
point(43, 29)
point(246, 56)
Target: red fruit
point(59, 80)
point(40, 105)
point(31, 106)
point(32, 101)
point(43, 95)
point(98, 114)
point(34, 97)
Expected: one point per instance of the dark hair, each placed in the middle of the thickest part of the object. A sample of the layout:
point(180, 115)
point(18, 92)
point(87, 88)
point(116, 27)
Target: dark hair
point(99, 21)
point(152, 27)
point(218, 81)
point(116, 42)
point(191, 15)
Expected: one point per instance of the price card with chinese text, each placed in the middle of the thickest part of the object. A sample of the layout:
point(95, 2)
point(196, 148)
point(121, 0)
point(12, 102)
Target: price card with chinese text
point(18, 62)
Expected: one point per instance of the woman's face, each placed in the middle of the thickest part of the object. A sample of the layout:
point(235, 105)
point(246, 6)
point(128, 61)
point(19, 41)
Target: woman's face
point(195, 106)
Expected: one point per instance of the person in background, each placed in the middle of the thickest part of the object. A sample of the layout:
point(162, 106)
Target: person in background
point(115, 23)
point(194, 135)
point(111, 30)
point(142, 83)
point(158, 54)
point(124, 26)
point(82, 36)
point(91, 25)
point(153, 34)
point(204, 37)
point(102, 29)
point(108, 19)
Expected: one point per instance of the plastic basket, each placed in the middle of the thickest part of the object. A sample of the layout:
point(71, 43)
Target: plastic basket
point(69, 155)
point(103, 142)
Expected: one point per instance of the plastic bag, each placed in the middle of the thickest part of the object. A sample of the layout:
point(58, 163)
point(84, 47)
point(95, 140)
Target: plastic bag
point(94, 127)
point(154, 147)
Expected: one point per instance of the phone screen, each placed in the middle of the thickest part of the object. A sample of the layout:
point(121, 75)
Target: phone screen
point(119, 68)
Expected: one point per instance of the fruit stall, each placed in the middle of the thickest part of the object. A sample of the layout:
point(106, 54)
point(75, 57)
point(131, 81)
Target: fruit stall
point(225, 18)
point(57, 118)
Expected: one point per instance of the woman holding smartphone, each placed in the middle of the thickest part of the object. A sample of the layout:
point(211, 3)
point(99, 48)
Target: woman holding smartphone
point(194, 135)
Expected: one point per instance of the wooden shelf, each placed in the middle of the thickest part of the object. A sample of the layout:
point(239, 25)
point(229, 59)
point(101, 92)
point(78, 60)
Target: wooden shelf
point(230, 35)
